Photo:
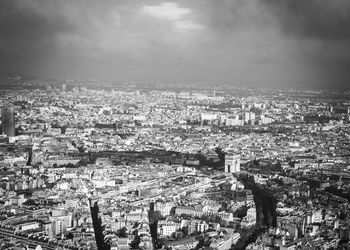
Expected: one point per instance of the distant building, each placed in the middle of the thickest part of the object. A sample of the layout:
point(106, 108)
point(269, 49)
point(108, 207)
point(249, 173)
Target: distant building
point(232, 163)
point(8, 121)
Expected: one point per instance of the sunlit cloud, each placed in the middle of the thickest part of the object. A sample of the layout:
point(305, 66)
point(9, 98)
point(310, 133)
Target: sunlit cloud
point(166, 11)
point(179, 16)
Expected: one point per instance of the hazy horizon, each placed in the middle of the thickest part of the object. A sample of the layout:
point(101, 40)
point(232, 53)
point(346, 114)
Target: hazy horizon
point(258, 43)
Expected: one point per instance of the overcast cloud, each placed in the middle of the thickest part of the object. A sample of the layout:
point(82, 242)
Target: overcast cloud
point(285, 43)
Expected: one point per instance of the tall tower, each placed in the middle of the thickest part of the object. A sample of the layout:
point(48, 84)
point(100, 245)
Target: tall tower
point(8, 121)
point(232, 163)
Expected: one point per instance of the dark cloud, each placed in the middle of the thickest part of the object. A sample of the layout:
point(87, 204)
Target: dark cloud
point(312, 18)
point(322, 32)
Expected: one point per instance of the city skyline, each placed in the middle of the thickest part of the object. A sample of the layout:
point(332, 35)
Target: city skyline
point(255, 43)
point(123, 167)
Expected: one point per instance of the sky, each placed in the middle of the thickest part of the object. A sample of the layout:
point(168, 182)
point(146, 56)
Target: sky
point(259, 43)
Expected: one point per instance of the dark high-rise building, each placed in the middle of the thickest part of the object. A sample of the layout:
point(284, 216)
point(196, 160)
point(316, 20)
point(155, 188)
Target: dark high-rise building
point(8, 120)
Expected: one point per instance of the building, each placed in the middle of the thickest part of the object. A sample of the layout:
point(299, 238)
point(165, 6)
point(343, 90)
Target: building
point(166, 228)
point(225, 242)
point(164, 207)
point(250, 219)
point(251, 212)
point(232, 163)
point(198, 226)
point(29, 225)
point(8, 121)
point(188, 210)
point(185, 243)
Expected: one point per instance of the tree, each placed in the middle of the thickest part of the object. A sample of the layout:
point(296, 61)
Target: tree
point(172, 211)
point(121, 232)
point(172, 235)
point(184, 230)
point(69, 236)
point(179, 234)
point(137, 240)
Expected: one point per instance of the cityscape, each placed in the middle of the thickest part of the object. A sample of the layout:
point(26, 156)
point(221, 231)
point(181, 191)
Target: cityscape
point(124, 168)
point(174, 125)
